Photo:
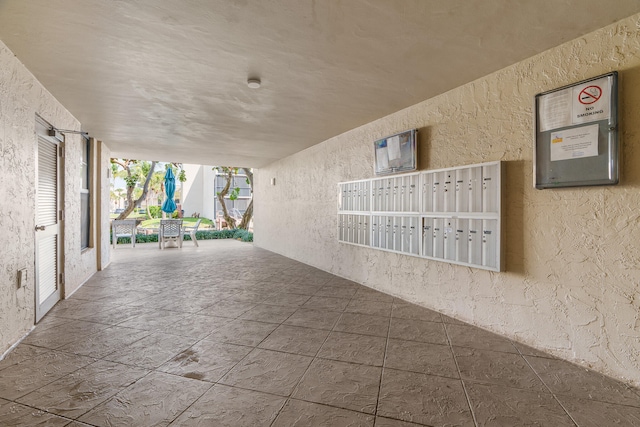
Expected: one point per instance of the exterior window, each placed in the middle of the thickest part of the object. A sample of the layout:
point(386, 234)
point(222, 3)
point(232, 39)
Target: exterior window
point(85, 194)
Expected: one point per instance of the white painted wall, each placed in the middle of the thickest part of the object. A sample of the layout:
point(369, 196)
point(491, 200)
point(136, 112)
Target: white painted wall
point(572, 255)
point(192, 189)
point(199, 191)
point(21, 97)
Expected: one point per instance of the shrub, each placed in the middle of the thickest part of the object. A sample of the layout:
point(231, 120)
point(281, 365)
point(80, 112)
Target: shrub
point(156, 211)
point(239, 234)
point(244, 235)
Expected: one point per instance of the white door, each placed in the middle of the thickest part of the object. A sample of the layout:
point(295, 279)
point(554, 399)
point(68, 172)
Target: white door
point(47, 233)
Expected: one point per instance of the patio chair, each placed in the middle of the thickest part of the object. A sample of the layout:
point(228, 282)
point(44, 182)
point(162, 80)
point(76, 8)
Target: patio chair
point(123, 228)
point(191, 230)
point(170, 230)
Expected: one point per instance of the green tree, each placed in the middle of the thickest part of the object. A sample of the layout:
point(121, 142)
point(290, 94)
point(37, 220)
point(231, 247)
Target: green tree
point(233, 193)
point(133, 172)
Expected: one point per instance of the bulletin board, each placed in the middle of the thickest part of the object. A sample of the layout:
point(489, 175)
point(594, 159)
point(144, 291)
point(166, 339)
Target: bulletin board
point(396, 153)
point(576, 141)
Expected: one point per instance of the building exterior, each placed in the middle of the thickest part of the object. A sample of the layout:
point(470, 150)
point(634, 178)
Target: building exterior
point(201, 189)
point(572, 255)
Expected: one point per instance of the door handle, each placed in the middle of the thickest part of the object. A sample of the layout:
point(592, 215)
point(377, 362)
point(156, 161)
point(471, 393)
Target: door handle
point(40, 228)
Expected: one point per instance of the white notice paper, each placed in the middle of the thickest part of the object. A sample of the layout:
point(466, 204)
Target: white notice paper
point(382, 158)
point(574, 143)
point(393, 145)
point(555, 110)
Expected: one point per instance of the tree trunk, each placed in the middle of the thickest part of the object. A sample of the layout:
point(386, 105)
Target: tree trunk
point(246, 217)
point(231, 222)
point(248, 214)
point(132, 205)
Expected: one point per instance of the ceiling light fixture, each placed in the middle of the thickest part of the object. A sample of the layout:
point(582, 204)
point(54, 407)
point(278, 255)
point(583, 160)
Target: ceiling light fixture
point(253, 83)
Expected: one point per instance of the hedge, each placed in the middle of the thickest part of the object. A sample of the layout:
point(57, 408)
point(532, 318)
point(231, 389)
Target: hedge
point(238, 234)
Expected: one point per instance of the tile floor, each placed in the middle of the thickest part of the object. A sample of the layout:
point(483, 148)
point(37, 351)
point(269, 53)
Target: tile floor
point(231, 335)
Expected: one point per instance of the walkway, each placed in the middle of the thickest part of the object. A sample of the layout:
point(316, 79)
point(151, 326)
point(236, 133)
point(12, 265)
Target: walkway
point(230, 335)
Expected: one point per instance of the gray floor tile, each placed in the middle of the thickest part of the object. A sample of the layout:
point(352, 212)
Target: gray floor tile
point(507, 407)
point(364, 306)
point(505, 369)
point(231, 309)
point(196, 325)
point(564, 378)
point(15, 414)
point(591, 413)
point(206, 360)
point(297, 413)
point(268, 313)
point(372, 294)
point(153, 321)
point(341, 384)
point(105, 342)
point(426, 358)
point(223, 406)
point(310, 318)
point(116, 315)
point(151, 351)
point(82, 390)
point(337, 291)
point(418, 330)
point(268, 371)
point(60, 335)
point(156, 399)
point(287, 299)
point(303, 288)
point(294, 339)
point(242, 332)
point(32, 374)
point(469, 336)
point(322, 356)
point(411, 311)
point(363, 324)
point(355, 348)
point(21, 353)
point(423, 399)
point(390, 422)
point(326, 303)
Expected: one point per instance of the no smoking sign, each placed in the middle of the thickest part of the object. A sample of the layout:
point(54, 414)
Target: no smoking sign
point(590, 94)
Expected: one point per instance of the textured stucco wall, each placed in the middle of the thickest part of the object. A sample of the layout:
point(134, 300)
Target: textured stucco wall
point(572, 255)
point(21, 97)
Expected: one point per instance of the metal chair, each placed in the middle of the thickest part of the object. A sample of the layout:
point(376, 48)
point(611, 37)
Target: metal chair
point(170, 230)
point(191, 230)
point(123, 228)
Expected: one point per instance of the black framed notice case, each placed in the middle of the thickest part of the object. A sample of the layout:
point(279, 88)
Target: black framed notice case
point(396, 153)
point(576, 134)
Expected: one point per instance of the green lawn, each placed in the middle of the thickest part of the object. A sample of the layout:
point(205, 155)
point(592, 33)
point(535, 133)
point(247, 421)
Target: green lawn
point(132, 215)
point(187, 221)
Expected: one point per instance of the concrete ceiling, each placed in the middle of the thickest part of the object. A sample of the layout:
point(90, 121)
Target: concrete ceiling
point(166, 79)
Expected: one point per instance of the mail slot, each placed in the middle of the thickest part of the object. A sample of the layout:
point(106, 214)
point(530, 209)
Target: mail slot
point(462, 240)
point(462, 190)
point(489, 243)
point(438, 191)
point(490, 183)
point(449, 192)
point(449, 239)
point(427, 237)
point(427, 192)
point(475, 241)
point(438, 238)
point(475, 189)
